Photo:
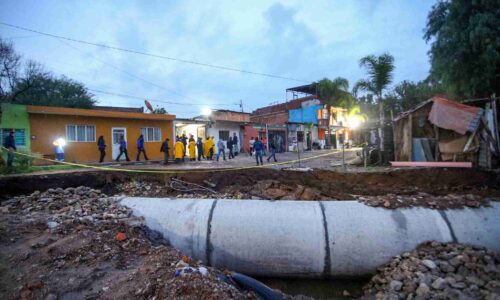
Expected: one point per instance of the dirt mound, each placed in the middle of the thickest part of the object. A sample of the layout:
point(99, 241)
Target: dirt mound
point(79, 243)
point(439, 271)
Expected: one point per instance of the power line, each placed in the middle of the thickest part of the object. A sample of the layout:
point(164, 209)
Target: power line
point(155, 55)
point(155, 100)
point(125, 72)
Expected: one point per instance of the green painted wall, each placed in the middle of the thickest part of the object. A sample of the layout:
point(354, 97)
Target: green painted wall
point(16, 116)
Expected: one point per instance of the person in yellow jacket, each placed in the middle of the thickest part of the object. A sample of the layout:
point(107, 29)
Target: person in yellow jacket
point(192, 148)
point(206, 148)
point(178, 151)
point(211, 148)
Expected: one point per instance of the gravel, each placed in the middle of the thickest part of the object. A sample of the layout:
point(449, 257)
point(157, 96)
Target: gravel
point(438, 271)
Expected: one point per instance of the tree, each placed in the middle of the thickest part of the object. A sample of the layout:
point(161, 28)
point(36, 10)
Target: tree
point(10, 63)
point(160, 110)
point(408, 94)
point(41, 88)
point(465, 49)
point(35, 86)
point(379, 77)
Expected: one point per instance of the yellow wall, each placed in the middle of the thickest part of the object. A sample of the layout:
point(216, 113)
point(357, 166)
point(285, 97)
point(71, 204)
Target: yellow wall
point(47, 128)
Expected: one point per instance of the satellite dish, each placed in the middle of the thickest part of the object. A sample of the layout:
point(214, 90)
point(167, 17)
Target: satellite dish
point(148, 105)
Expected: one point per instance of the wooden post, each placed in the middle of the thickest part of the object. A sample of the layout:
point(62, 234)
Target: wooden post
point(410, 126)
point(436, 150)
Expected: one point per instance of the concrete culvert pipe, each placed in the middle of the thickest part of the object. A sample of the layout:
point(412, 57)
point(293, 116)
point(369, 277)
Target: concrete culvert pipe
point(305, 238)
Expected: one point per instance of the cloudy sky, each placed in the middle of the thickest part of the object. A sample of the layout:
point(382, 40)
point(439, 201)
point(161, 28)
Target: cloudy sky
point(302, 40)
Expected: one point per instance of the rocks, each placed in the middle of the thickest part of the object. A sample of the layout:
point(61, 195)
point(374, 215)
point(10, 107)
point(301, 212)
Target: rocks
point(423, 199)
point(438, 284)
point(395, 285)
point(429, 264)
point(441, 271)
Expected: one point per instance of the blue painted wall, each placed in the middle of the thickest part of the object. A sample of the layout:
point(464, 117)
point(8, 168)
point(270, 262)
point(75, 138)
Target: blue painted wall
point(308, 114)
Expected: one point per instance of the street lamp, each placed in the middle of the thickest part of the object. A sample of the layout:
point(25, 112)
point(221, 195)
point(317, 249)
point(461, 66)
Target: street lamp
point(206, 111)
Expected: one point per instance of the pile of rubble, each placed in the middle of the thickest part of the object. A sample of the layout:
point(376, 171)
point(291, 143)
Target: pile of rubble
point(425, 200)
point(439, 271)
point(79, 243)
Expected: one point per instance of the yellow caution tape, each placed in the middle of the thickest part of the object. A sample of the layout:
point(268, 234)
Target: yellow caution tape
point(175, 170)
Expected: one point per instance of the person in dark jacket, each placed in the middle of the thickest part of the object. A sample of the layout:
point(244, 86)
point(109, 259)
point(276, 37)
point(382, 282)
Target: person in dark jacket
point(258, 147)
point(272, 150)
point(199, 147)
point(165, 149)
point(236, 149)
point(10, 144)
point(184, 140)
point(230, 147)
point(140, 147)
point(123, 149)
point(101, 145)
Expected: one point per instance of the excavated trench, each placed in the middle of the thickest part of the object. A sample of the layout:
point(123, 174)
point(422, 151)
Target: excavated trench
point(392, 186)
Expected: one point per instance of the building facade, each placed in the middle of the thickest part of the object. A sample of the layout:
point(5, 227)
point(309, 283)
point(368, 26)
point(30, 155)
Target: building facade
point(37, 127)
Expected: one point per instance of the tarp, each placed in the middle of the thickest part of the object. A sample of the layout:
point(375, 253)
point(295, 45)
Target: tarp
point(454, 116)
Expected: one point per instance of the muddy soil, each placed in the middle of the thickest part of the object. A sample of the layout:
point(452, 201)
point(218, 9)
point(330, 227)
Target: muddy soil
point(80, 244)
point(436, 188)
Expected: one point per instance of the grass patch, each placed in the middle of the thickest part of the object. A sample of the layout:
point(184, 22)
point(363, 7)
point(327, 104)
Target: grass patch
point(17, 169)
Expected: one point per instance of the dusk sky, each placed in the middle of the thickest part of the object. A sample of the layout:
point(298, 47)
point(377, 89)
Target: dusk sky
point(305, 40)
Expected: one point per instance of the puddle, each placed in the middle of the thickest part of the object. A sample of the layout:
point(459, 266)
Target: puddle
point(318, 288)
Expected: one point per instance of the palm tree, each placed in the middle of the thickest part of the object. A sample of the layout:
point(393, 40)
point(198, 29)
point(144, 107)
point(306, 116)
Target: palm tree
point(333, 92)
point(379, 77)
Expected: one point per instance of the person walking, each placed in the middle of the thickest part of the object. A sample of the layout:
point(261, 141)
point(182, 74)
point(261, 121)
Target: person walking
point(140, 147)
point(123, 149)
point(165, 149)
point(230, 147)
point(184, 143)
point(199, 145)
point(251, 142)
point(10, 144)
point(235, 144)
point(272, 151)
point(192, 148)
point(211, 148)
point(101, 145)
point(179, 151)
point(59, 148)
point(259, 149)
point(221, 148)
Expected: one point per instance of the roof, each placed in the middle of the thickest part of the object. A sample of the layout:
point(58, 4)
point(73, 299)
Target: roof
point(282, 107)
point(123, 109)
point(65, 111)
point(306, 89)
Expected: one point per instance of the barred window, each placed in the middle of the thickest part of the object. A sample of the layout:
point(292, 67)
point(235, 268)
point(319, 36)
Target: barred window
point(80, 133)
point(151, 134)
point(224, 135)
point(19, 136)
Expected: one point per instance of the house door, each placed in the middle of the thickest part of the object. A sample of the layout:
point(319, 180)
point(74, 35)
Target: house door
point(116, 135)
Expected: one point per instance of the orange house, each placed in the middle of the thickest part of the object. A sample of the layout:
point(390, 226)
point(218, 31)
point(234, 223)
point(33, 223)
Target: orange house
point(81, 129)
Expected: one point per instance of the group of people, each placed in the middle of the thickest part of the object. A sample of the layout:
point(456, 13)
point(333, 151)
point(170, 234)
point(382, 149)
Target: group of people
point(204, 149)
point(257, 148)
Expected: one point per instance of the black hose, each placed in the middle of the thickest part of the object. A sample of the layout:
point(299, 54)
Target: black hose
point(258, 287)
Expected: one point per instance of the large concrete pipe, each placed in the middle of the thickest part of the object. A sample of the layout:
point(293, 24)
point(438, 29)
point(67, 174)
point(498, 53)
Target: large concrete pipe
point(306, 238)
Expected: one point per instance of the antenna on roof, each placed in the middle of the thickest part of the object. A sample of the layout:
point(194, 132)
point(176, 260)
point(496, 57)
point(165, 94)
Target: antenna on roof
point(149, 106)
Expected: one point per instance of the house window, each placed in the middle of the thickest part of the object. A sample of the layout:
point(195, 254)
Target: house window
point(151, 134)
point(300, 136)
point(80, 133)
point(19, 136)
point(224, 135)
